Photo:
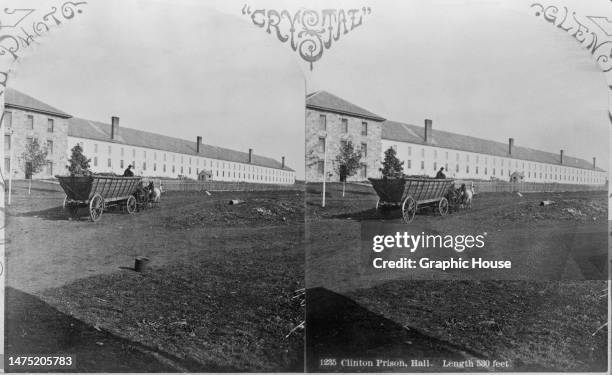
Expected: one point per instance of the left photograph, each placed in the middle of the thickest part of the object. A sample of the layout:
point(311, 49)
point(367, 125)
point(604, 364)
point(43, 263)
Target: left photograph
point(153, 172)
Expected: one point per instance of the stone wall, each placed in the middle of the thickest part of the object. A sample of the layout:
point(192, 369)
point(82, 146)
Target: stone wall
point(20, 131)
point(334, 134)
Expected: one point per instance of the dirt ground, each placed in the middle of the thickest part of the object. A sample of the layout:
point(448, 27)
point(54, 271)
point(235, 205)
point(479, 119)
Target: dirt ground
point(534, 323)
point(219, 294)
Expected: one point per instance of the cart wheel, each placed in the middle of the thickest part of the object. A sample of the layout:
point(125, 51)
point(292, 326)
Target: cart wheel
point(443, 206)
point(130, 205)
point(409, 208)
point(96, 207)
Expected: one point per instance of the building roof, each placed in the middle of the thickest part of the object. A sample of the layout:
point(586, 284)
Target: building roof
point(401, 132)
point(323, 100)
point(82, 128)
point(19, 100)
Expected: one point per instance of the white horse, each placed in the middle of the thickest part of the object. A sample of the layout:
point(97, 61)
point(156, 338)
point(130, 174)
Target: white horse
point(467, 195)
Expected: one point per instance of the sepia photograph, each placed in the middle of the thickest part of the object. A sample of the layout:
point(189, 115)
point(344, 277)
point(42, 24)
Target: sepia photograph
point(206, 186)
point(153, 152)
point(457, 192)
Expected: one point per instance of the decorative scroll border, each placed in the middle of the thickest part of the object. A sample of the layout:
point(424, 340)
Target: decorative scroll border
point(309, 32)
point(594, 33)
point(22, 27)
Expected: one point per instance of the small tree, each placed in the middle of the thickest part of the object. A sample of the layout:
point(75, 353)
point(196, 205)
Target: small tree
point(392, 166)
point(347, 162)
point(79, 163)
point(33, 158)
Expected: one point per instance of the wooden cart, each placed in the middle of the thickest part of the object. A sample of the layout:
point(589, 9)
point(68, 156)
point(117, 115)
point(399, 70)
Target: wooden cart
point(98, 193)
point(411, 192)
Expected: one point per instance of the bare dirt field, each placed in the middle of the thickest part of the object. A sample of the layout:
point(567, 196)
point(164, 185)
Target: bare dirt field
point(537, 322)
point(218, 295)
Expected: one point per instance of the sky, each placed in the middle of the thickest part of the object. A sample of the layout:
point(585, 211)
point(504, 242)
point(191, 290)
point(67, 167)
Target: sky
point(186, 68)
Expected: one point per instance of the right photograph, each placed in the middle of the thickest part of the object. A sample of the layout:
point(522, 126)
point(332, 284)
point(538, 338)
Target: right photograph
point(457, 190)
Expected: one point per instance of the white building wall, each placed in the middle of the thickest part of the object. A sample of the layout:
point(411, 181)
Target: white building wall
point(110, 157)
point(427, 159)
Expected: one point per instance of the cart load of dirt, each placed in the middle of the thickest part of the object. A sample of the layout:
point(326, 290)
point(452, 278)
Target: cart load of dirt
point(248, 211)
point(578, 209)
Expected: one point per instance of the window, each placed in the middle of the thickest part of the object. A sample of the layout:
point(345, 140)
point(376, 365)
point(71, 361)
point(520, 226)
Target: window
point(457, 168)
point(364, 171)
point(485, 171)
point(7, 164)
point(7, 142)
point(182, 171)
point(30, 122)
point(435, 166)
point(50, 125)
point(7, 121)
point(165, 156)
point(476, 169)
point(95, 161)
point(50, 147)
point(409, 151)
point(422, 165)
point(322, 122)
point(364, 150)
point(174, 170)
point(50, 168)
point(122, 151)
point(110, 163)
point(322, 144)
point(164, 167)
point(467, 169)
point(408, 163)
point(144, 154)
point(110, 150)
point(364, 128)
point(321, 167)
point(121, 163)
point(144, 165)
point(422, 152)
point(344, 125)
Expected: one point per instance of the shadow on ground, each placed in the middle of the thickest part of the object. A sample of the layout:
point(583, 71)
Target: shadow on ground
point(338, 327)
point(35, 328)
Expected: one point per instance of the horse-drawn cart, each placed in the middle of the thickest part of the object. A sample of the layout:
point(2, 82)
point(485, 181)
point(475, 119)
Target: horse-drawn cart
point(411, 192)
point(98, 193)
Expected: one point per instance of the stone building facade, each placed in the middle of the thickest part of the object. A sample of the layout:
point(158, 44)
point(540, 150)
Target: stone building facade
point(331, 121)
point(25, 119)
point(423, 149)
point(111, 148)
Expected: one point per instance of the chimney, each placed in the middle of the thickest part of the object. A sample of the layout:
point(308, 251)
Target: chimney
point(510, 145)
point(428, 135)
point(198, 143)
point(114, 128)
point(593, 162)
point(561, 157)
point(283, 162)
point(250, 155)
